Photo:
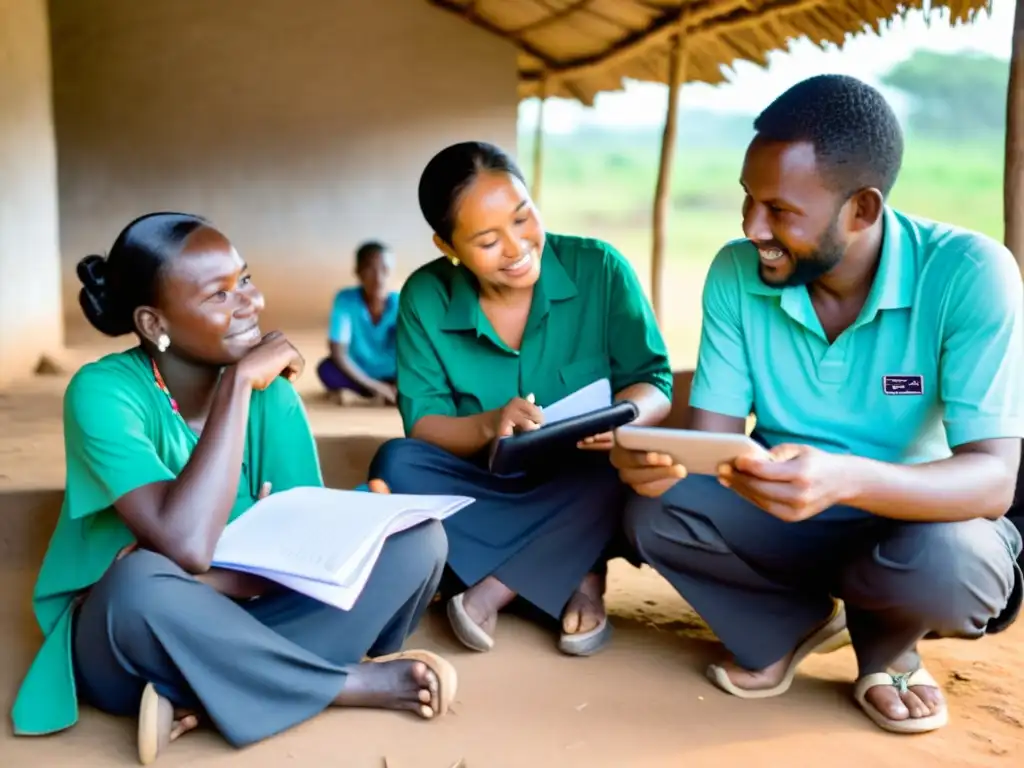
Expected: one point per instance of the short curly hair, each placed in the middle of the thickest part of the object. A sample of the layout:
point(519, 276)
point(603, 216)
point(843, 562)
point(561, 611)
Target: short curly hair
point(855, 133)
point(367, 251)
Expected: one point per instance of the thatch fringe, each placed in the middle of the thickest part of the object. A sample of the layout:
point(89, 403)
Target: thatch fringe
point(583, 47)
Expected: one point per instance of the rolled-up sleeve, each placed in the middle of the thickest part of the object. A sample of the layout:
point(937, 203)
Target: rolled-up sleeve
point(339, 330)
point(636, 346)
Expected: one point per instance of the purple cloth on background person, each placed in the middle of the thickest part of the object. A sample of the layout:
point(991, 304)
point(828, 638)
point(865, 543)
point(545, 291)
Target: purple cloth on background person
point(335, 380)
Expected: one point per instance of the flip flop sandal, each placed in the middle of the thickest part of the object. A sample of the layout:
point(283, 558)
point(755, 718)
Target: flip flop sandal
point(834, 643)
point(447, 677)
point(470, 634)
point(156, 718)
point(826, 637)
point(586, 643)
point(902, 683)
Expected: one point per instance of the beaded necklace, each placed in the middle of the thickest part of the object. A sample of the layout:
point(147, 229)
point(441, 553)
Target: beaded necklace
point(163, 387)
point(159, 380)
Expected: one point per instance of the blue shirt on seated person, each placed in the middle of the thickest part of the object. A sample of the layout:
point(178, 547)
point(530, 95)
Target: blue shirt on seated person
point(361, 334)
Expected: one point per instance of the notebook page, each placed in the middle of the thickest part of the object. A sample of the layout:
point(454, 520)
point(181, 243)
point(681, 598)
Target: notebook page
point(364, 558)
point(588, 399)
point(321, 533)
point(343, 595)
point(338, 595)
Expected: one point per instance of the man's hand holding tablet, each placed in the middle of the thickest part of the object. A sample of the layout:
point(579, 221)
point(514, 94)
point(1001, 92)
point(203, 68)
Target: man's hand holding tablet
point(791, 482)
point(652, 460)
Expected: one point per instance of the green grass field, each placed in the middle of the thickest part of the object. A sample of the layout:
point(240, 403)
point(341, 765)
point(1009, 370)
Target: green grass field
point(604, 187)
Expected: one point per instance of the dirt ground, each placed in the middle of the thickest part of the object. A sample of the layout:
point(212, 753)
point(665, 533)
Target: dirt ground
point(644, 702)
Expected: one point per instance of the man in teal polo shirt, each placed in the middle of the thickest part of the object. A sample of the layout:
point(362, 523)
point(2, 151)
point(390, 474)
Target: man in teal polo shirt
point(882, 357)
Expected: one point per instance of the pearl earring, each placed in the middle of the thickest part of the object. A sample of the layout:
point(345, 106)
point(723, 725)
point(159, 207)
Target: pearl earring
point(455, 261)
point(163, 342)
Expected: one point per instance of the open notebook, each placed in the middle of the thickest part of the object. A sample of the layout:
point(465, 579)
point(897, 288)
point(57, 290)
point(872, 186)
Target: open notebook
point(323, 542)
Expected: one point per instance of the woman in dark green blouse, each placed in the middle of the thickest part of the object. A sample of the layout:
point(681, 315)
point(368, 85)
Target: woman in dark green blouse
point(166, 443)
point(508, 321)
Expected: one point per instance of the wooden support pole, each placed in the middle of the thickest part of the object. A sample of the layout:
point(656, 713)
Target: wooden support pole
point(1013, 169)
point(676, 63)
point(538, 146)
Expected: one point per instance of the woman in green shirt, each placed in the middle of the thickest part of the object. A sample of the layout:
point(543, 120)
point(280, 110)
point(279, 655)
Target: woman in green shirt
point(509, 320)
point(165, 444)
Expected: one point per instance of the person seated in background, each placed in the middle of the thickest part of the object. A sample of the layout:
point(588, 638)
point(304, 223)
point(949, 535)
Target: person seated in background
point(361, 335)
point(166, 443)
point(881, 355)
point(508, 320)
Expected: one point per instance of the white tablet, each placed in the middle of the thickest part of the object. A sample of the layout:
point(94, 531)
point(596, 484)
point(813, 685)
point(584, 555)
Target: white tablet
point(700, 452)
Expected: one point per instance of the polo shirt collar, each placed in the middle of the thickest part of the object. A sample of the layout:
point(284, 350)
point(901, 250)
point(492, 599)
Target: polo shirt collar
point(896, 279)
point(893, 286)
point(463, 314)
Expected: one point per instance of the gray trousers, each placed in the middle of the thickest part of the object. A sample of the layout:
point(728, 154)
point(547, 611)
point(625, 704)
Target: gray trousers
point(762, 585)
point(253, 668)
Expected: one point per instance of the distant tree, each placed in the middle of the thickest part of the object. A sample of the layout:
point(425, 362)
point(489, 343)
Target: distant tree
point(953, 96)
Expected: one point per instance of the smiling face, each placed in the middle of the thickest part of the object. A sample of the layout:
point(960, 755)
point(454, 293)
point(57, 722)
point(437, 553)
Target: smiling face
point(498, 234)
point(208, 306)
point(791, 214)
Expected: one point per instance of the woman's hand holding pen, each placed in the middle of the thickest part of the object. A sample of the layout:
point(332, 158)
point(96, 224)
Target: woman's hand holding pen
point(520, 414)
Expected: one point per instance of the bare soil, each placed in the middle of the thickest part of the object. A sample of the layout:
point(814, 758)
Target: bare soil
point(644, 702)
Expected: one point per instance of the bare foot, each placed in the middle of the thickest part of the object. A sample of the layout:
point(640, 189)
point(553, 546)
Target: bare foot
point(484, 600)
point(585, 608)
point(776, 678)
point(184, 721)
point(916, 702)
point(160, 724)
point(405, 685)
point(757, 679)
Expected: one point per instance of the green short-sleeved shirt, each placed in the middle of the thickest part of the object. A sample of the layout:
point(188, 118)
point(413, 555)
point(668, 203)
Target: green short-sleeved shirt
point(120, 434)
point(935, 359)
point(589, 320)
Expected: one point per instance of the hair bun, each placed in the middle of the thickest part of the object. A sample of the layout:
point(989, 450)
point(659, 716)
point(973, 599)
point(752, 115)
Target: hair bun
point(94, 298)
point(92, 272)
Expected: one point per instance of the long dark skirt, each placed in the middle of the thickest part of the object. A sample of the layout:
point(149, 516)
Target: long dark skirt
point(539, 535)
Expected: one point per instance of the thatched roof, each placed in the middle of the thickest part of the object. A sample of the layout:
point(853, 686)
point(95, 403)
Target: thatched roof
point(582, 47)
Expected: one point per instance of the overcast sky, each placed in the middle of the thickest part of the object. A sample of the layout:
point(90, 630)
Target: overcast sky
point(751, 87)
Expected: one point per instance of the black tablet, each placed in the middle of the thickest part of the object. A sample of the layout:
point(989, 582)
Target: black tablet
point(541, 447)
